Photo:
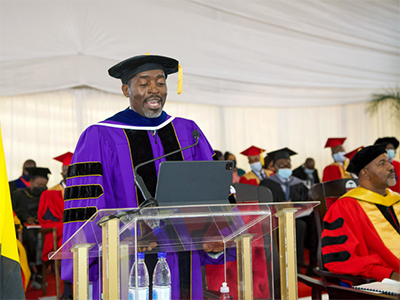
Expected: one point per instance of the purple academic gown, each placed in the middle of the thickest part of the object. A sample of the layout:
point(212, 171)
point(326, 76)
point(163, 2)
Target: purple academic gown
point(101, 177)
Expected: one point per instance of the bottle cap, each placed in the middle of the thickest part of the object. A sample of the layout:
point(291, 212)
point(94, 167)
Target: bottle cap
point(140, 255)
point(224, 288)
point(162, 255)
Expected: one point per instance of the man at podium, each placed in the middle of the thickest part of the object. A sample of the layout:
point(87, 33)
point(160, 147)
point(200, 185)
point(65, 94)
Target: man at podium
point(101, 174)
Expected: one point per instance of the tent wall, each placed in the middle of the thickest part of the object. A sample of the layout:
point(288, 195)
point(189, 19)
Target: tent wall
point(43, 125)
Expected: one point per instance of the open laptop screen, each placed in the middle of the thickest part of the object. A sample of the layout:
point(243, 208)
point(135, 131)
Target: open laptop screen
point(194, 182)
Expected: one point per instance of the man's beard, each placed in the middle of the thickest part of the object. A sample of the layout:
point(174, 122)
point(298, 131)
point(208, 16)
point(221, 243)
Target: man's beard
point(391, 181)
point(152, 114)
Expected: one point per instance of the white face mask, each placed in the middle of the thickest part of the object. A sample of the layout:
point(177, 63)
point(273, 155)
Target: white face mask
point(339, 157)
point(256, 167)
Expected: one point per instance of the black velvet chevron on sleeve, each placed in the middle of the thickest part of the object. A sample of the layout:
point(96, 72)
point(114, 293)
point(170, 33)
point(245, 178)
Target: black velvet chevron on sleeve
point(338, 223)
point(336, 257)
point(88, 191)
point(333, 240)
point(85, 169)
point(79, 214)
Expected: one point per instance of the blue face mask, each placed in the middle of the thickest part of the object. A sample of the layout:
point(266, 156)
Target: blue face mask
point(256, 167)
point(390, 153)
point(26, 177)
point(308, 171)
point(285, 173)
point(339, 157)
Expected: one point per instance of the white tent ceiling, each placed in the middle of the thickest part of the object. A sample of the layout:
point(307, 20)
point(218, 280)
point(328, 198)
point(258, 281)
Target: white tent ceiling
point(233, 53)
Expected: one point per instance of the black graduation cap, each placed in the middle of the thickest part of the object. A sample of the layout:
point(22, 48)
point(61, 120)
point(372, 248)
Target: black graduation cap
point(38, 172)
point(388, 140)
point(128, 68)
point(364, 157)
point(282, 153)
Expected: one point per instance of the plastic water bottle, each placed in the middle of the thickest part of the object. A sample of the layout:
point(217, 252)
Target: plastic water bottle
point(143, 280)
point(224, 295)
point(162, 279)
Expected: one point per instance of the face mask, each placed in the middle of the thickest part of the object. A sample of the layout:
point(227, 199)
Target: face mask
point(390, 153)
point(256, 167)
point(339, 157)
point(285, 173)
point(308, 171)
point(37, 191)
point(26, 177)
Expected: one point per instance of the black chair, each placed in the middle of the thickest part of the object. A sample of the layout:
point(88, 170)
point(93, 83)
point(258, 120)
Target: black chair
point(317, 286)
point(319, 192)
point(252, 193)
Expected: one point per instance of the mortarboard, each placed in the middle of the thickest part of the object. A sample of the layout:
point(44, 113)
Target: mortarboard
point(253, 150)
point(364, 157)
point(65, 158)
point(351, 154)
point(388, 140)
point(128, 68)
point(285, 153)
point(332, 142)
point(38, 172)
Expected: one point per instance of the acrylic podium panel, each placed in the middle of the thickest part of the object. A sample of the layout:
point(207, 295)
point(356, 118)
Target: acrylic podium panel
point(242, 229)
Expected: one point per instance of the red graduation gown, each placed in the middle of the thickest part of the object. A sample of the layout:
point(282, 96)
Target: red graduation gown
point(356, 239)
point(51, 201)
point(333, 172)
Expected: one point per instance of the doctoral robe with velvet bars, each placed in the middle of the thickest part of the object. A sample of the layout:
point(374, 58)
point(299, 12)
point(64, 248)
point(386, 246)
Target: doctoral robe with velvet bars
point(101, 176)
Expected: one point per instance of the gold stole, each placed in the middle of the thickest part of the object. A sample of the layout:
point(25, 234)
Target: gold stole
point(367, 200)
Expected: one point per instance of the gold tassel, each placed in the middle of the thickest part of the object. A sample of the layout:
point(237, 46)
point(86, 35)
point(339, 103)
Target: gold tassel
point(262, 159)
point(180, 80)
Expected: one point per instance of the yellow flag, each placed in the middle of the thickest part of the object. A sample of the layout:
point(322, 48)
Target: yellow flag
point(10, 270)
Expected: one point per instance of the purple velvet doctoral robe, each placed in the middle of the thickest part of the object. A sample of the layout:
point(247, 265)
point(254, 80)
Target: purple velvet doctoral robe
point(101, 176)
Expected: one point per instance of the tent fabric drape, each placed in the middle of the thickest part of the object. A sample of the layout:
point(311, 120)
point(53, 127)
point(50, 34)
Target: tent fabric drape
point(43, 125)
point(233, 53)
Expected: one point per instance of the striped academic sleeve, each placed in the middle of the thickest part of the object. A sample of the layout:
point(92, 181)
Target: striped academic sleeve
point(350, 243)
point(84, 194)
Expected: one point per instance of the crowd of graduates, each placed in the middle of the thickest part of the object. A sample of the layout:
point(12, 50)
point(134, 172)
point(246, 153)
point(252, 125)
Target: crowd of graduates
point(274, 171)
point(35, 206)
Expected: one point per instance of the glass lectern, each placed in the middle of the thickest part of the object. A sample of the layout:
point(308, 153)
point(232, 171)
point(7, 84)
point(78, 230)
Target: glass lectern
point(111, 239)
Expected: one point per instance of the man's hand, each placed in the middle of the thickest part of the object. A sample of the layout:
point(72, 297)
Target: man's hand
point(213, 247)
point(31, 221)
point(395, 276)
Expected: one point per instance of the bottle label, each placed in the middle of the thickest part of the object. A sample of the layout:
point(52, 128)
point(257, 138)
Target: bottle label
point(143, 294)
point(162, 293)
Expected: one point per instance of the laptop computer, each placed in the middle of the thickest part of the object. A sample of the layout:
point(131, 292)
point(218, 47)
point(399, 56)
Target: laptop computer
point(194, 182)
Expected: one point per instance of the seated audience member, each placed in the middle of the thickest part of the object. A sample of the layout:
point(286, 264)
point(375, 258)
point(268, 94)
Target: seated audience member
point(218, 155)
point(285, 187)
point(257, 172)
point(65, 159)
point(350, 156)
point(269, 164)
point(25, 204)
point(23, 181)
point(360, 234)
point(335, 170)
point(307, 172)
point(391, 145)
point(230, 156)
point(50, 214)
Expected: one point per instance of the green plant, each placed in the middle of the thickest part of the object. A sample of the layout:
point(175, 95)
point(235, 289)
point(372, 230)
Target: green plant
point(391, 97)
